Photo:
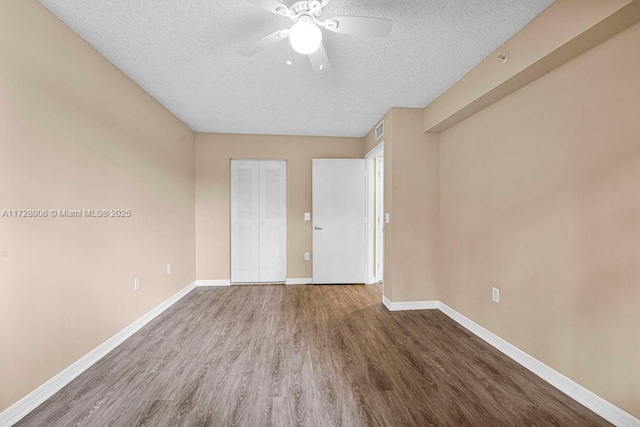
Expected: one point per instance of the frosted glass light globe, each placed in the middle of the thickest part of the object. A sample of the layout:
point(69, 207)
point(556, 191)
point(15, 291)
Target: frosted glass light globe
point(305, 37)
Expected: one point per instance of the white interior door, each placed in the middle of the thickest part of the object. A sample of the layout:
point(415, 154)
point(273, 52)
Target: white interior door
point(339, 229)
point(258, 221)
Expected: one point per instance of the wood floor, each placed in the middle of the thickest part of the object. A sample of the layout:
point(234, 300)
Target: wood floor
point(305, 355)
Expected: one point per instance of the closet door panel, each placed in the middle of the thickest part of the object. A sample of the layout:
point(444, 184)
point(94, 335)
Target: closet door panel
point(245, 220)
point(273, 221)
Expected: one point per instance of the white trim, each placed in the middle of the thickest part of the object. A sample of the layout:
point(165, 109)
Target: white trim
point(386, 302)
point(255, 283)
point(299, 281)
point(378, 221)
point(375, 150)
point(210, 283)
point(590, 400)
point(24, 406)
point(410, 305)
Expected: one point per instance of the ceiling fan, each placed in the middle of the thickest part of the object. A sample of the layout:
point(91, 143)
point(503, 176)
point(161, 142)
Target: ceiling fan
point(305, 35)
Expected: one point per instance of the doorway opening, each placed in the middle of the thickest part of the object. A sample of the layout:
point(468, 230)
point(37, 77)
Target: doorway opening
point(375, 214)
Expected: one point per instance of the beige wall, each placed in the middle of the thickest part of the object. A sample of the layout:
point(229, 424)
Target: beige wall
point(213, 155)
point(539, 196)
point(558, 34)
point(75, 133)
point(411, 198)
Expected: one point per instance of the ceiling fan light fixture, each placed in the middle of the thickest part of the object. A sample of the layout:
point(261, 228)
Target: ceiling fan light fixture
point(305, 37)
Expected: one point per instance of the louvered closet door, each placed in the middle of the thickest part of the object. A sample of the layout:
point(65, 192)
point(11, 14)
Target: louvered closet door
point(258, 221)
point(245, 221)
point(273, 227)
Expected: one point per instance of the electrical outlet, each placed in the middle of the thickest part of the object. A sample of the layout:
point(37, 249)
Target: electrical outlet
point(386, 218)
point(307, 256)
point(136, 283)
point(168, 269)
point(495, 295)
point(307, 216)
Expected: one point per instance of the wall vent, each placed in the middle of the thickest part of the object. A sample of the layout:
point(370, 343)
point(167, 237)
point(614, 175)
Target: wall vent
point(379, 130)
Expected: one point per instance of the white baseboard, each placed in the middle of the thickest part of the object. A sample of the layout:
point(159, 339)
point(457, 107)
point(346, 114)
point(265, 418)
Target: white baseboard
point(590, 400)
point(299, 281)
point(211, 283)
point(410, 305)
point(21, 408)
point(227, 282)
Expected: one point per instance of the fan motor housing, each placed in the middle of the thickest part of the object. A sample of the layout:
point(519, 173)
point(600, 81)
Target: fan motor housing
point(311, 8)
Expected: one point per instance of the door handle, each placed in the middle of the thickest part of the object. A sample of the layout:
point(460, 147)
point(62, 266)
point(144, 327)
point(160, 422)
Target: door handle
point(317, 228)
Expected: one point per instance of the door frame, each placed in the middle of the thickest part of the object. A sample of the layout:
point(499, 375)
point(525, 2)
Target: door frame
point(370, 158)
point(379, 220)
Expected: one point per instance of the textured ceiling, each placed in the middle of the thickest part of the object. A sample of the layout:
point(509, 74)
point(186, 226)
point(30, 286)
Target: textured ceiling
point(184, 53)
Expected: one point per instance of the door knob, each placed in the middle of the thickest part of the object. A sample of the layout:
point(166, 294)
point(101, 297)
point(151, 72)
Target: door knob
point(317, 228)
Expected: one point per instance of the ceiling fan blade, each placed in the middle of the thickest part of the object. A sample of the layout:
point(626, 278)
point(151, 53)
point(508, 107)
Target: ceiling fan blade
point(359, 26)
point(264, 43)
point(319, 60)
point(272, 6)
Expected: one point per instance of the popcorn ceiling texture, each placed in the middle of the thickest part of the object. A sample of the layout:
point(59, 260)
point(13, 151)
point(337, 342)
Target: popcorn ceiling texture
point(184, 53)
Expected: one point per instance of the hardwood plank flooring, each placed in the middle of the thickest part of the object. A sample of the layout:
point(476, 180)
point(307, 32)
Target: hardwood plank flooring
point(305, 356)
